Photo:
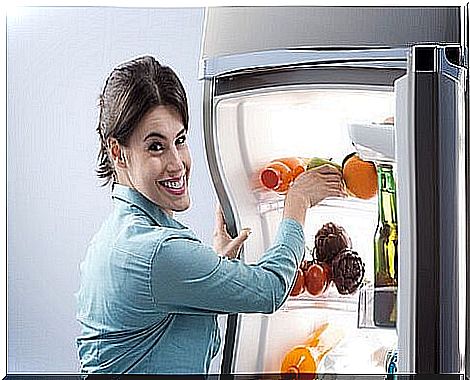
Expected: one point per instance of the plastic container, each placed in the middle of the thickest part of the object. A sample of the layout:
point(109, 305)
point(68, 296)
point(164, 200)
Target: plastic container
point(279, 174)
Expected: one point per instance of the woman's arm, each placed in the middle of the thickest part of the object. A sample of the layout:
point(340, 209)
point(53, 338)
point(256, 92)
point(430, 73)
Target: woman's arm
point(189, 277)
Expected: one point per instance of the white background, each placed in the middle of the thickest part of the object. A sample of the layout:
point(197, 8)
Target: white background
point(57, 60)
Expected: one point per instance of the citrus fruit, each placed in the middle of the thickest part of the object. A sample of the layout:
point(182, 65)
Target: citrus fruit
point(360, 176)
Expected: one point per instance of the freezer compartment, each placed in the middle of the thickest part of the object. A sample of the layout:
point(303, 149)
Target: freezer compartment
point(238, 30)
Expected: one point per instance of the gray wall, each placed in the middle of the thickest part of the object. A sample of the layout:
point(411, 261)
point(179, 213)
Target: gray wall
point(57, 60)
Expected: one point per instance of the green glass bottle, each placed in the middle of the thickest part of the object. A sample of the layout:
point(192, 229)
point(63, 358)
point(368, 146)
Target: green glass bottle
point(386, 251)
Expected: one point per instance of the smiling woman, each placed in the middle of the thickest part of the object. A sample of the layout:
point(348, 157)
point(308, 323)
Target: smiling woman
point(150, 289)
point(156, 159)
point(148, 154)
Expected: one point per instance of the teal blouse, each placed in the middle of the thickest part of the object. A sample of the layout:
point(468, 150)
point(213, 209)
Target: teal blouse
point(150, 290)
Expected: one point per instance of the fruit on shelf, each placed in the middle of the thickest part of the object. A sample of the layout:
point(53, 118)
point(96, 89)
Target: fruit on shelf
point(333, 250)
point(360, 176)
point(279, 174)
point(316, 279)
point(317, 161)
point(333, 261)
point(299, 285)
point(305, 265)
point(328, 273)
point(347, 271)
point(330, 239)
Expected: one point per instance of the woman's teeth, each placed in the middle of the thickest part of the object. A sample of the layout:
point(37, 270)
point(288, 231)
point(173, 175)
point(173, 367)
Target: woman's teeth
point(173, 184)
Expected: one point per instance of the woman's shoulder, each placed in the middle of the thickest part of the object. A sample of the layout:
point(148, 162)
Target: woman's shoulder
point(141, 231)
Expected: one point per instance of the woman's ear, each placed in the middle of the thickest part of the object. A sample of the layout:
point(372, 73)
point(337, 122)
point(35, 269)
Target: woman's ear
point(116, 151)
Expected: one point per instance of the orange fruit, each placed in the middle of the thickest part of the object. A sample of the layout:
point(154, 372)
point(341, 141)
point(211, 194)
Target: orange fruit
point(360, 176)
point(299, 361)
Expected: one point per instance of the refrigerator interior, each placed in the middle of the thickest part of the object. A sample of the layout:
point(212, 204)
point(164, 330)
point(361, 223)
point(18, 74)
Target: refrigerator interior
point(258, 126)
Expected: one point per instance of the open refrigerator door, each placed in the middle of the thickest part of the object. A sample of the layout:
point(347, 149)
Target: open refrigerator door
point(400, 109)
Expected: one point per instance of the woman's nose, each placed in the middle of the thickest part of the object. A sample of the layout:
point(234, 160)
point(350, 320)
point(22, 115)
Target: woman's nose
point(175, 162)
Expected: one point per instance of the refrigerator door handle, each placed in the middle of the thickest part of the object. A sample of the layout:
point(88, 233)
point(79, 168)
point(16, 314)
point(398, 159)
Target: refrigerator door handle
point(466, 46)
point(438, 107)
point(247, 62)
point(466, 59)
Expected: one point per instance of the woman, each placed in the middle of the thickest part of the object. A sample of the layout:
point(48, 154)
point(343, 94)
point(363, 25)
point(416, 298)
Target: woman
point(150, 290)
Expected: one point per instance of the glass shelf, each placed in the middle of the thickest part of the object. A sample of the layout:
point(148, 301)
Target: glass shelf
point(331, 299)
point(361, 302)
point(272, 201)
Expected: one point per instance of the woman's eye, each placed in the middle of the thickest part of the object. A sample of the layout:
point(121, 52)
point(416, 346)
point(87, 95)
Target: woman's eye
point(181, 140)
point(155, 146)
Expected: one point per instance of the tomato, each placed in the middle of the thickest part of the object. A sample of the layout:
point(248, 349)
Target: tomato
point(305, 265)
point(328, 272)
point(299, 286)
point(316, 279)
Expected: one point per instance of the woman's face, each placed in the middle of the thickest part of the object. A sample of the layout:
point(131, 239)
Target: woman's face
point(158, 161)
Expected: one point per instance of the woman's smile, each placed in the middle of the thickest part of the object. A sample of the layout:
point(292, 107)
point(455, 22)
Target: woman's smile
point(174, 186)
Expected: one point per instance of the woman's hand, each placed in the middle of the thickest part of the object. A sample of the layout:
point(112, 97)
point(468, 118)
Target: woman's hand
point(223, 244)
point(310, 188)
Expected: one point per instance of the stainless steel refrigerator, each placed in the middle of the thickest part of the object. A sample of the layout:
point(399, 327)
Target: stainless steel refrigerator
point(319, 82)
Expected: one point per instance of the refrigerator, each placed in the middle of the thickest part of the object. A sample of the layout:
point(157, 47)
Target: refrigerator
point(321, 82)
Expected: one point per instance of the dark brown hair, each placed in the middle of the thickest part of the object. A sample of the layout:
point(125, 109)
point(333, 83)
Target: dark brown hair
point(131, 90)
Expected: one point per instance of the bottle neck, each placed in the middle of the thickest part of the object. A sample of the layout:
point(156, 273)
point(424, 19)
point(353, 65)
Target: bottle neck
point(387, 194)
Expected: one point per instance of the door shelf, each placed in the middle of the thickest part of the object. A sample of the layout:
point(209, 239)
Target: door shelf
point(365, 312)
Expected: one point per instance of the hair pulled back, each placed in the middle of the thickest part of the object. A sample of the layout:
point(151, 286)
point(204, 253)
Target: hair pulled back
point(131, 90)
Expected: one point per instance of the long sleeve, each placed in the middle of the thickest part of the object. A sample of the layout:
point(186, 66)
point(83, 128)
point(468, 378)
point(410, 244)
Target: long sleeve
point(189, 277)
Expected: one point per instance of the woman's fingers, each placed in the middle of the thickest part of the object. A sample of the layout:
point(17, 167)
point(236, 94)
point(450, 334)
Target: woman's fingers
point(233, 247)
point(223, 244)
point(327, 169)
point(319, 183)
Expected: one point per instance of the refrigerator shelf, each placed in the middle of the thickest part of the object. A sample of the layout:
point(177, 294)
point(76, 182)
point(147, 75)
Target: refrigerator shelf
point(273, 202)
point(331, 300)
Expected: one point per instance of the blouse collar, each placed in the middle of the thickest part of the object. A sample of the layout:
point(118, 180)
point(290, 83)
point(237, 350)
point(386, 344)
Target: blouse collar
point(137, 199)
